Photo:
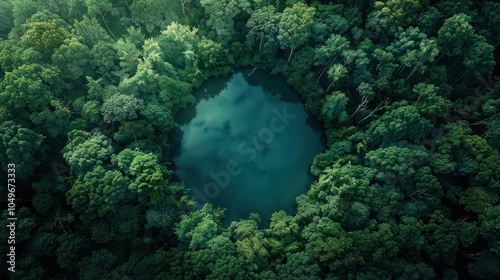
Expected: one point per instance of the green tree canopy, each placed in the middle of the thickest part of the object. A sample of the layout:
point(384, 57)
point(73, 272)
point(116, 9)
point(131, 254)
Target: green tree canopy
point(294, 26)
point(21, 147)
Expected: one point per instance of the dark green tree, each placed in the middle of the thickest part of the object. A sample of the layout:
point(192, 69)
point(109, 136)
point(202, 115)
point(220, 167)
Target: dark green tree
point(22, 147)
point(294, 26)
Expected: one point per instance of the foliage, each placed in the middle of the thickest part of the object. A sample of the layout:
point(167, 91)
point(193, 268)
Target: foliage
point(407, 188)
point(20, 146)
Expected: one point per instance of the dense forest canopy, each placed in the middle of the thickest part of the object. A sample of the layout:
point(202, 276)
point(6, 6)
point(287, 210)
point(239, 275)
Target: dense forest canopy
point(408, 187)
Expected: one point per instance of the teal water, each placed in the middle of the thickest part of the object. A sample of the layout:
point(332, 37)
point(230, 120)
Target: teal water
point(246, 145)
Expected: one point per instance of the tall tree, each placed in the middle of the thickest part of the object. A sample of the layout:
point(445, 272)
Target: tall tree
point(45, 37)
point(221, 15)
point(413, 50)
point(153, 15)
point(332, 51)
point(263, 28)
point(101, 8)
point(400, 122)
point(456, 35)
point(334, 108)
point(6, 18)
point(20, 146)
point(295, 26)
point(73, 58)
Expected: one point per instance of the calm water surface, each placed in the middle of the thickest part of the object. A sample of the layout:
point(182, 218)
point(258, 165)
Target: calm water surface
point(246, 145)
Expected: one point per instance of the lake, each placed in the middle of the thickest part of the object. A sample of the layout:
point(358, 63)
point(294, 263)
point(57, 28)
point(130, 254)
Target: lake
point(246, 145)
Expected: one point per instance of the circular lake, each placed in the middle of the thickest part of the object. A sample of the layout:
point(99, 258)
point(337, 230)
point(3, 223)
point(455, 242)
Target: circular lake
point(246, 145)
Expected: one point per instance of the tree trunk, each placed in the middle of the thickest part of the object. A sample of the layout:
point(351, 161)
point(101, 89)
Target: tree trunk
point(128, 6)
point(326, 65)
point(329, 87)
point(105, 23)
point(290, 56)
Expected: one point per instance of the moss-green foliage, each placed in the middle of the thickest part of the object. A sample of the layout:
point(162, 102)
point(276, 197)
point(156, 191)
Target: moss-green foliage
point(408, 187)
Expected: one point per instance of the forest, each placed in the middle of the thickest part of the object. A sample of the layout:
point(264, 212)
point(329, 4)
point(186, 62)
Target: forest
point(408, 186)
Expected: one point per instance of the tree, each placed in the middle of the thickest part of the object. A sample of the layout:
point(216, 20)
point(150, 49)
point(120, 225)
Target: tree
point(45, 37)
point(485, 267)
point(386, 65)
point(334, 108)
point(43, 202)
point(396, 163)
point(162, 215)
point(299, 265)
point(294, 26)
point(329, 243)
point(98, 192)
point(153, 15)
point(85, 151)
point(400, 122)
point(409, 234)
point(413, 50)
point(196, 228)
point(101, 8)
point(90, 32)
point(479, 58)
point(104, 59)
point(429, 102)
point(341, 189)
point(416, 271)
point(121, 107)
point(26, 87)
point(336, 152)
point(356, 216)
point(21, 147)
point(42, 243)
point(455, 35)
point(485, 159)
point(25, 224)
point(450, 156)
point(124, 224)
point(22, 10)
point(154, 264)
point(6, 18)
point(233, 267)
point(490, 14)
point(128, 53)
point(178, 44)
point(250, 242)
point(149, 179)
point(52, 121)
point(336, 73)
point(334, 47)
point(133, 130)
point(68, 251)
point(263, 28)
point(212, 57)
point(450, 8)
point(283, 235)
point(221, 15)
point(72, 57)
point(97, 266)
point(157, 115)
point(478, 199)
point(29, 268)
point(400, 13)
point(334, 19)
point(159, 80)
point(442, 241)
point(429, 20)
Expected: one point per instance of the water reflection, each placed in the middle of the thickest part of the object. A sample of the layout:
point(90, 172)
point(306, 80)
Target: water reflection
point(246, 145)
